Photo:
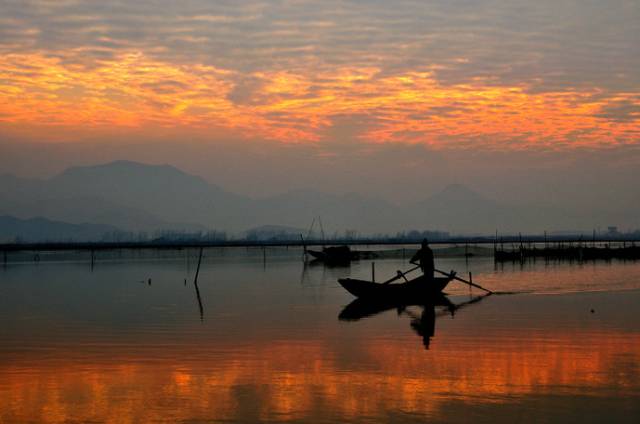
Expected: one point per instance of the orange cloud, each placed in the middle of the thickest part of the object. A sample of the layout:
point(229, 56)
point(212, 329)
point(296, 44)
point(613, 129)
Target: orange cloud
point(133, 91)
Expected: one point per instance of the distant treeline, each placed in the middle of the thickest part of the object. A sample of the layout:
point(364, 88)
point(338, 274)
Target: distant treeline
point(268, 236)
point(257, 235)
point(299, 237)
point(128, 237)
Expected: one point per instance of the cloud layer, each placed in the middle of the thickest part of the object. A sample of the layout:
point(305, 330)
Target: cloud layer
point(448, 74)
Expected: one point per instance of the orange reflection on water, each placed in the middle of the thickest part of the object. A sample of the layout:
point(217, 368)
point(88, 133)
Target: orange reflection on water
point(296, 380)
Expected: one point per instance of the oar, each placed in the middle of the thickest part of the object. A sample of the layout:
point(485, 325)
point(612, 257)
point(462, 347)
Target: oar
point(455, 277)
point(400, 275)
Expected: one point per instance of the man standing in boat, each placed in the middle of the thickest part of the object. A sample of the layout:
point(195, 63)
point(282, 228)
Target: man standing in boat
point(424, 258)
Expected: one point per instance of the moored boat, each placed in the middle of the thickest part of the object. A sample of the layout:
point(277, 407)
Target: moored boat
point(334, 254)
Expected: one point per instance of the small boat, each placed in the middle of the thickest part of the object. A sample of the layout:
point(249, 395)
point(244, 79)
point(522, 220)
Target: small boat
point(335, 254)
point(340, 255)
point(420, 288)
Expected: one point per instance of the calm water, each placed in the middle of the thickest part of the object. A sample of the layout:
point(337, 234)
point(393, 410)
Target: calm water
point(107, 345)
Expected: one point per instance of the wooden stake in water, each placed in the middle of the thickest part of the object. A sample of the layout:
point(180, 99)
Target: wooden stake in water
point(373, 272)
point(195, 283)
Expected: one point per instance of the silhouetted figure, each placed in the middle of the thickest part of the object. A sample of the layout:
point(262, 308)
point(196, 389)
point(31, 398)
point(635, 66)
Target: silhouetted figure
point(424, 258)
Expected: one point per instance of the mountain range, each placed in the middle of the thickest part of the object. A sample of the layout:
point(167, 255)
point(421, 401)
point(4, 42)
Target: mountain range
point(141, 197)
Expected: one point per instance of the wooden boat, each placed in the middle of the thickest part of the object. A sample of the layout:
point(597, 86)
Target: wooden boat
point(335, 254)
point(420, 288)
point(340, 254)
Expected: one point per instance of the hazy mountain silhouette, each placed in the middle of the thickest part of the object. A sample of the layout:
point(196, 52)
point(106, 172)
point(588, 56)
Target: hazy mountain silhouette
point(106, 194)
point(348, 211)
point(32, 199)
point(459, 209)
point(41, 229)
point(161, 190)
point(135, 196)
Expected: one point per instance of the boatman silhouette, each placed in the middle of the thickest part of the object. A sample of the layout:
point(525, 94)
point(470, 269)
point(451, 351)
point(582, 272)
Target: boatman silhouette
point(424, 258)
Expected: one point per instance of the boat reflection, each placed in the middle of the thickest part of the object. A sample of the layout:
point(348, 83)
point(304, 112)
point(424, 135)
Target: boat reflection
point(424, 323)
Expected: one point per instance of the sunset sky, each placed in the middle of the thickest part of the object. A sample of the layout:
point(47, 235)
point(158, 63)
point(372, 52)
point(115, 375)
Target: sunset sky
point(327, 85)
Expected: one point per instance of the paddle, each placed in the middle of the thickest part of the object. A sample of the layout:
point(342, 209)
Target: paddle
point(455, 277)
point(400, 275)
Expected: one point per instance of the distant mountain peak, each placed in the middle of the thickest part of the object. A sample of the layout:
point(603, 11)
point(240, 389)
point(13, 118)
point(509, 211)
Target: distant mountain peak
point(459, 192)
point(455, 197)
point(125, 171)
point(122, 165)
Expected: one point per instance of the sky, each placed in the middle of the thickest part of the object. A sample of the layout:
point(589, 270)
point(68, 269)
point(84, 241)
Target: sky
point(516, 99)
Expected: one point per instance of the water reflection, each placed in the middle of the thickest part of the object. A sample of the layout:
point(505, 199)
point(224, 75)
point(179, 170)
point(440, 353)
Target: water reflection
point(77, 346)
point(423, 323)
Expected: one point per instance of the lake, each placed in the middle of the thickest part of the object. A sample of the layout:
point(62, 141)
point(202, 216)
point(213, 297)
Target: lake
point(260, 340)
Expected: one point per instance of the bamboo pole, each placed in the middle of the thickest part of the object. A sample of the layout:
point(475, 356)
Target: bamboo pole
point(195, 283)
